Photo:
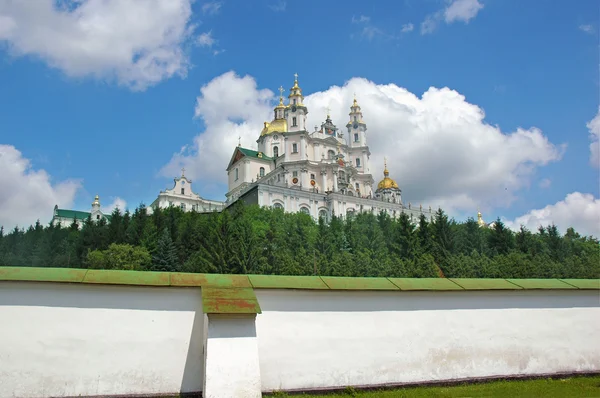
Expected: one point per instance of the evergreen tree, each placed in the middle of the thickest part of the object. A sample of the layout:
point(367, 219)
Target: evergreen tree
point(165, 256)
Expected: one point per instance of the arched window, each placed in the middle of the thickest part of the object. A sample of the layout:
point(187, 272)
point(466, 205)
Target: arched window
point(330, 154)
point(275, 151)
point(304, 210)
point(357, 162)
point(294, 122)
point(237, 174)
point(277, 206)
point(261, 172)
point(323, 214)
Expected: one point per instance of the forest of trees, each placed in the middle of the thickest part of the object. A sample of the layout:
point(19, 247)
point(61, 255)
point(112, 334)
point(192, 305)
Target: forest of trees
point(252, 240)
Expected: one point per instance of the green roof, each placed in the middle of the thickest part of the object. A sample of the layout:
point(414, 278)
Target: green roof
point(228, 294)
point(71, 214)
point(79, 215)
point(253, 153)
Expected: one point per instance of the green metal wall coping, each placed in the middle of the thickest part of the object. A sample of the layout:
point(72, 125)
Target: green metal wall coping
point(221, 281)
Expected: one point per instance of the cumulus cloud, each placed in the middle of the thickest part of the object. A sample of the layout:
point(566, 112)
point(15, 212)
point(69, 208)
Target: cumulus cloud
point(587, 29)
point(545, 183)
point(279, 6)
point(361, 19)
point(117, 202)
point(594, 128)
point(462, 10)
point(205, 39)
point(27, 194)
point(578, 210)
point(439, 148)
point(211, 8)
point(407, 28)
point(457, 10)
point(136, 43)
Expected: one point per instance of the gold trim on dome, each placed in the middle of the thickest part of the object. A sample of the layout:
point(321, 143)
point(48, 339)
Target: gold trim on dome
point(277, 125)
point(387, 182)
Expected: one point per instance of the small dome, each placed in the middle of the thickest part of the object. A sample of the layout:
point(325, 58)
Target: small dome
point(277, 125)
point(387, 182)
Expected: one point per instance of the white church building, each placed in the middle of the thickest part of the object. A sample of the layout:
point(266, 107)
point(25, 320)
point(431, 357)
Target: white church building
point(182, 196)
point(320, 173)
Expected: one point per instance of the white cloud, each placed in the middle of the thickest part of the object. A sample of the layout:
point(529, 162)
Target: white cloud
point(578, 210)
point(136, 43)
point(117, 202)
point(205, 39)
point(439, 148)
point(545, 183)
point(279, 6)
point(27, 194)
point(408, 27)
point(457, 10)
point(594, 128)
point(585, 28)
point(462, 10)
point(361, 19)
point(211, 8)
point(370, 32)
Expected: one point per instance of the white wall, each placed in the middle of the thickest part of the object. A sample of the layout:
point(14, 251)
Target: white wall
point(313, 339)
point(60, 339)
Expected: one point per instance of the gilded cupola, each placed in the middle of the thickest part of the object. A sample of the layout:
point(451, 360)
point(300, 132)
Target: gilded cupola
point(387, 182)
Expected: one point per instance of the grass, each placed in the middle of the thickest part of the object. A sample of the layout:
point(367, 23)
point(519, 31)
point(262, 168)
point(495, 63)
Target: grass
point(547, 388)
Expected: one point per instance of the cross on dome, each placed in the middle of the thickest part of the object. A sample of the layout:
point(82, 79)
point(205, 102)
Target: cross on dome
point(281, 90)
point(183, 171)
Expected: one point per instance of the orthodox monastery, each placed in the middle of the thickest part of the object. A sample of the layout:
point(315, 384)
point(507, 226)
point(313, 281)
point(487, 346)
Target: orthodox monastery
point(320, 173)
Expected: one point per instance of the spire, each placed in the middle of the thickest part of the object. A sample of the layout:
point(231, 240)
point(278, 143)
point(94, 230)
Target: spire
point(183, 172)
point(281, 104)
point(354, 103)
point(296, 92)
point(96, 202)
point(386, 173)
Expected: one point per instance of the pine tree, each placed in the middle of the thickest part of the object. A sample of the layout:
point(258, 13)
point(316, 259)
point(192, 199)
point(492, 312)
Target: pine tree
point(165, 257)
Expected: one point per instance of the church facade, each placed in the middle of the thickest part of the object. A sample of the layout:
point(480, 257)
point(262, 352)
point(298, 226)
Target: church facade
point(65, 218)
point(320, 173)
point(182, 196)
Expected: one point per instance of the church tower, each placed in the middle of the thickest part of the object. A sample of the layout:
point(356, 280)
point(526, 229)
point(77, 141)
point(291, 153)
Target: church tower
point(296, 111)
point(357, 129)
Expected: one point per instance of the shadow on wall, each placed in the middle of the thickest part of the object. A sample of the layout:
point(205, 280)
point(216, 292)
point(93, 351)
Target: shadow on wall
point(365, 301)
point(129, 320)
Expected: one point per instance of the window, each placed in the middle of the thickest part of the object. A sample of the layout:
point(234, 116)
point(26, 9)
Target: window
point(295, 173)
point(357, 185)
point(97, 216)
point(183, 191)
point(182, 206)
point(277, 206)
point(294, 148)
point(294, 122)
point(323, 214)
point(355, 137)
point(355, 119)
point(330, 154)
point(261, 172)
point(294, 101)
point(275, 151)
point(304, 210)
point(312, 176)
point(357, 162)
point(237, 174)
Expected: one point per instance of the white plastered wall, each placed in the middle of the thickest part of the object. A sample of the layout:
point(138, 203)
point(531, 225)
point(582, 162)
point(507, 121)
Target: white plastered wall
point(61, 339)
point(313, 339)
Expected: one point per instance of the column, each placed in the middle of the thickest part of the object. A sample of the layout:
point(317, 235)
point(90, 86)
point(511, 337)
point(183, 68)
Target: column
point(247, 176)
point(324, 181)
point(231, 366)
point(304, 179)
point(302, 147)
point(317, 157)
point(335, 185)
point(285, 149)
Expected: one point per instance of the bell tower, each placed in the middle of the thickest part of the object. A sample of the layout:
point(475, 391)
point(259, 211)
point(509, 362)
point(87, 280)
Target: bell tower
point(357, 128)
point(296, 111)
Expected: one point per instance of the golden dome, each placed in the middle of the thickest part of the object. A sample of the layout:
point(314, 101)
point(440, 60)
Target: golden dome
point(387, 182)
point(277, 125)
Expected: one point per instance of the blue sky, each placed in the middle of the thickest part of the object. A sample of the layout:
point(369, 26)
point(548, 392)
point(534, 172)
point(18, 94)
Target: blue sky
point(90, 116)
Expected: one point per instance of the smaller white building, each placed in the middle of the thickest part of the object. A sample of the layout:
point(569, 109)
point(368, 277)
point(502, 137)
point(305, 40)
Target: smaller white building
point(65, 218)
point(182, 196)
